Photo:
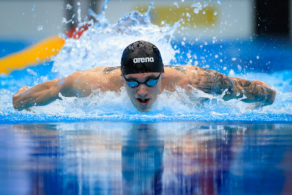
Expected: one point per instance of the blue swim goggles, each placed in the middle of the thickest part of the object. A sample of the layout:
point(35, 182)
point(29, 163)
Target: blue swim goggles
point(150, 82)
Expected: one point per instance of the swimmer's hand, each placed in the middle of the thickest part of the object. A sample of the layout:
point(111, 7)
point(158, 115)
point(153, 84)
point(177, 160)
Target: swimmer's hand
point(269, 93)
point(16, 103)
point(20, 91)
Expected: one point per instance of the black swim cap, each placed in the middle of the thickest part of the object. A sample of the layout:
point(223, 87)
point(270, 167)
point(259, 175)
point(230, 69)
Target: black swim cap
point(140, 57)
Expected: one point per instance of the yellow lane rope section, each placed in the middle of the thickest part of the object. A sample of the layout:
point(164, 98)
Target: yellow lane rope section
point(32, 55)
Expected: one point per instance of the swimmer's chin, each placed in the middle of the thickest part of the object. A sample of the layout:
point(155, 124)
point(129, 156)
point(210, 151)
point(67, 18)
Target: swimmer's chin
point(143, 106)
point(143, 109)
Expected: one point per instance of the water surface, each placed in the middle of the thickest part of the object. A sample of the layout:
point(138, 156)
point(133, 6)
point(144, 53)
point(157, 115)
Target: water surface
point(146, 158)
point(268, 60)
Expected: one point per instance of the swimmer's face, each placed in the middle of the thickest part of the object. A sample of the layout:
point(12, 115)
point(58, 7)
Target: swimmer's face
point(145, 94)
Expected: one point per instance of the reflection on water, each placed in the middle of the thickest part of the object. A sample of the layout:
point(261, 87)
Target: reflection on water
point(142, 167)
point(155, 158)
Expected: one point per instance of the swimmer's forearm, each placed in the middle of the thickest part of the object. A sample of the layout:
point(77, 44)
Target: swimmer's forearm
point(38, 95)
point(251, 92)
point(236, 88)
point(211, 81)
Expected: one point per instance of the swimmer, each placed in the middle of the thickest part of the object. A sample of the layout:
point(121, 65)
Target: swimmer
point(144, 76)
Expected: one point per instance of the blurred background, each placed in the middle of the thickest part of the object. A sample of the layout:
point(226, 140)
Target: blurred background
point(229, 19)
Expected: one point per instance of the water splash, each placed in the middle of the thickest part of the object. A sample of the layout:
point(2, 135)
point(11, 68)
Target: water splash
point(102, 45)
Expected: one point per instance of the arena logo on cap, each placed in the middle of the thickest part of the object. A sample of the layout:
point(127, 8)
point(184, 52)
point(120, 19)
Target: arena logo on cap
point(143, 60)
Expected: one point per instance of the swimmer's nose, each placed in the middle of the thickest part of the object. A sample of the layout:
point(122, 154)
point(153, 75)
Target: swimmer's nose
point(142, 91)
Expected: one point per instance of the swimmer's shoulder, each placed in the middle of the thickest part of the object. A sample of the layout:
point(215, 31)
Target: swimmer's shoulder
point(105, 78)
point(102, 72)
point(180, 68)
point(112, 69)
point(106, 70)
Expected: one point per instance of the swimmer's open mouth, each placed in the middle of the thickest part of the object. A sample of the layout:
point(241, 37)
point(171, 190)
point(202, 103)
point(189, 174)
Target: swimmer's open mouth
point(143, 101)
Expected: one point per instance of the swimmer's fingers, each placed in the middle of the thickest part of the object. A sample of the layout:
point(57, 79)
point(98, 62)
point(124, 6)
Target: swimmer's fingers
point(17, 98)
point(22, 89)
point(269, 92)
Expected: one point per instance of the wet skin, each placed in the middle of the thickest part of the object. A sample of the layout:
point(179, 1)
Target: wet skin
point(83, 83)
point(143, 96)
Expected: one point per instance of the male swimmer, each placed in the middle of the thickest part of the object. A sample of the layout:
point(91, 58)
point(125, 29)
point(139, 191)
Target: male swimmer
point(144, 76)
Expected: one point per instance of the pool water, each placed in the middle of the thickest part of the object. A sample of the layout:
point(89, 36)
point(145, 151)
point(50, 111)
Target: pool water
point(267, 59)
point(146, 158)
point(102, 145)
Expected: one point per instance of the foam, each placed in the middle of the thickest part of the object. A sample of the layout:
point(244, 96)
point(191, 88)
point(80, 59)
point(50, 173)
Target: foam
point(102, 45)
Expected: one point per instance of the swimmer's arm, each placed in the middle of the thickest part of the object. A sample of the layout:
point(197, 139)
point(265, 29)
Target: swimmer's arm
point(251, 91)
point(41, 94)
point(211, 81)
point(49, 91)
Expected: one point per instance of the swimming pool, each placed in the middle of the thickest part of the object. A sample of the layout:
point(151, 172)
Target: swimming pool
point(252, 60)
point(145, 158)
point(102, 145)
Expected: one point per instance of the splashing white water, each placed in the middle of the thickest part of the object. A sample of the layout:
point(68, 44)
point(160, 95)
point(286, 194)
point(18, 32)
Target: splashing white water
point(102, 45)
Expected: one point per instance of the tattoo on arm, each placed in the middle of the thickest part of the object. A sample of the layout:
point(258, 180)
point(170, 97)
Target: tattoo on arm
point(211, 81)
point(110, 69)
point(236, 88)
point(253, 92)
